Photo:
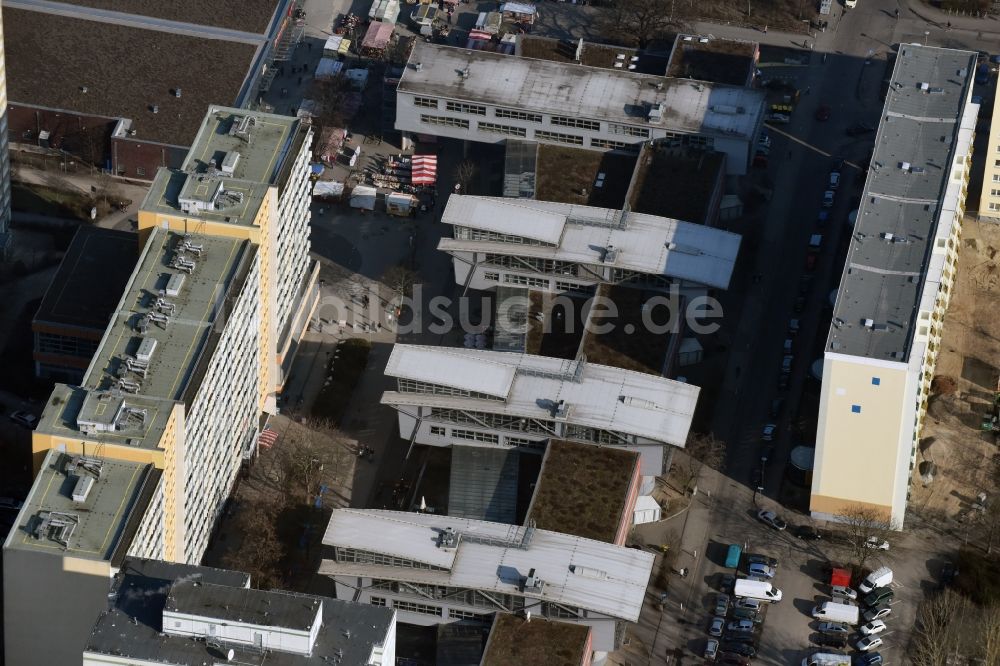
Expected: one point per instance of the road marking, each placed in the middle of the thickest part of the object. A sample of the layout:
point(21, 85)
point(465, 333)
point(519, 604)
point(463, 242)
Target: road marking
point(811, 147)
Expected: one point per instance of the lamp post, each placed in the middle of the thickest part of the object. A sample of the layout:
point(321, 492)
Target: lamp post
point(760, 482)
point(926, 34)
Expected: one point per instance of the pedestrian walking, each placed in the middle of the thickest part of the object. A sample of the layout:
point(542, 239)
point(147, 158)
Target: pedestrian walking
point(765, 29)
point(897, 12)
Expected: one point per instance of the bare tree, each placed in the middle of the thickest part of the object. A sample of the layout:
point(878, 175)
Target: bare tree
point(308, 454)
point(260, 552)
point(637, 22)
point(400, 279)
point(701, 449)
point(940, 621)
point(866, 528)
point(464, 174)
point(988, 630)
point(329, 97)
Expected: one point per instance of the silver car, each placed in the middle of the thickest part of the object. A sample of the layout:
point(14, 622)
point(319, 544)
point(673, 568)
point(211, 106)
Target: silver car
point(757, 569)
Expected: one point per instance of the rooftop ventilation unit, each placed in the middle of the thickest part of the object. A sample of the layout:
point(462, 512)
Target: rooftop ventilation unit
point(684, 249)
point(242, 127)
point(182, 263)
point(925, 86)
point(129, 386)
point(448, 539)
point(703, 40)
point(561, 410)
point(418, 66)
point(633, 401)
point(56, 526)
point(868, 323)
point(229, 162)
point(610, 254)
point(656, 112)
point(174, 285)
point(82, 488)
point(194, 248)
point(905, 166)
point(164, 306)
point(533, 583)
point(158, 318)
point(887, 236)
point(177, 92)
point(588, 572)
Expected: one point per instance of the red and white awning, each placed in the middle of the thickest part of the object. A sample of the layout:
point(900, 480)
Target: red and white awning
point(267, 438)
point(424, 169)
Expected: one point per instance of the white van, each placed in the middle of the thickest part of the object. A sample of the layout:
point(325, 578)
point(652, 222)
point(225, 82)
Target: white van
point(878, 578)
point(756, 589)
point(834, 612)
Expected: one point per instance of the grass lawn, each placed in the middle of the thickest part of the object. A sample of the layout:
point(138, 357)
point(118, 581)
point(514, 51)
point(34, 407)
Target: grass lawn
point(345, 368)
point(44, 200)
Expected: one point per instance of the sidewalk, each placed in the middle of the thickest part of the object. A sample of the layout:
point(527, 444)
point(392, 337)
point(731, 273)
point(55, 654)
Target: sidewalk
point(83, 182)
point(989, 24)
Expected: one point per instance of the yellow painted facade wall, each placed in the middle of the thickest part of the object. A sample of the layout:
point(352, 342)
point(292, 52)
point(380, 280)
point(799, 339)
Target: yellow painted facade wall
point(857, 454)
point(41, 443)
point(989, 202)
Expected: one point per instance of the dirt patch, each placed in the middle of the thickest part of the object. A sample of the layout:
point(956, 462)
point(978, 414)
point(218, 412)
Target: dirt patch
point(953, 444)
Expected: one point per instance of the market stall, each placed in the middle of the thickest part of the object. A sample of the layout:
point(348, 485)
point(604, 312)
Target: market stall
point(426, 15)
point(519, 12)
point(384, 10)
point(335, 46)
point(424, 170)
point(376, 40)
point(363, 196)
point(328, 68)
point(328, 190)
point(401, 204)
point(328, 144)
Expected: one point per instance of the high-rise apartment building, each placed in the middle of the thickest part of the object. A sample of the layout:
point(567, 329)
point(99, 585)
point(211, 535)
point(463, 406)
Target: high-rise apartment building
point(184, 377)
point(887, 322)
point(5, 238)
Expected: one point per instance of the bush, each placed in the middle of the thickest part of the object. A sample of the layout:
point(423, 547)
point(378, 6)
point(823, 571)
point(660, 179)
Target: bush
point(943, 385)
point(978, 577)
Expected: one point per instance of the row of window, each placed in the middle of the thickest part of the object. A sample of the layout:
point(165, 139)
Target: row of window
point(413, 386)
point(445, 121)
point(475, 436)
point(557, 137)
point(509, 130)
point(468, 233)
point(525, 281)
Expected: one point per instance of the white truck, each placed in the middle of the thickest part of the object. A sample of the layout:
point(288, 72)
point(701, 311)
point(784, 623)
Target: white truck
point(878, 578)
point(756, 589)
point(827, 659)
point(834, 612)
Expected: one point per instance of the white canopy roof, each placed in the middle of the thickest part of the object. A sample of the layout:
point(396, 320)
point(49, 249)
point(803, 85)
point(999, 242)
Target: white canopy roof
point(600, 577)
point(583, 234)
point(596, 396)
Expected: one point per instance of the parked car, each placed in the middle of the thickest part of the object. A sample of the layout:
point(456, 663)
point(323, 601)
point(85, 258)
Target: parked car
point(766, 560)
point(872, 628)
point(772, 519)
point(877, 613)
point(762, 570)
point(869, 643)
point(746, 614)
point(749, 604)
point(845, 592)
point(27, 419)
point(768, 433)
point(782, 382)
point(786, 363)
point(834, 628)
point(870, 659)
point(831, 640)
point(727, 581)
point(711, 649)
point(834, 180)
point(837, 164)
point(875, 543)
point(810, 262)
point(731, 659)
point(742, 626)
point(799, 304)
point(879, 595)
point(828, 199)
point(715, 626)
point(721, 605)
point(776, 405)
point(740, 638)
point(742, 649)
point(807, 533)
point(793, 326)
point(823, 113)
